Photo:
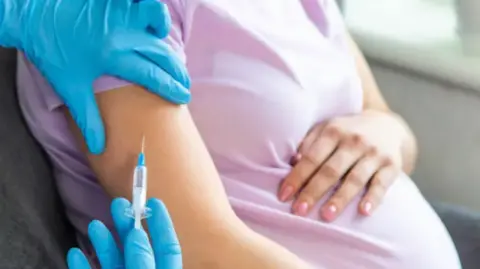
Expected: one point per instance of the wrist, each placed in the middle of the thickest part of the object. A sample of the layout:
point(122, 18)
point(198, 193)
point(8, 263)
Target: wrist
point(407, 142)
point(408, 145)
point(389, 118)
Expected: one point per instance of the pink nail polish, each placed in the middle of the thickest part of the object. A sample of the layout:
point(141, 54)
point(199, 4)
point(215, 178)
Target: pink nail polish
point(285, 193)
point(294, 160)
point(301, 209)
point(367, 207)
point(330, 212)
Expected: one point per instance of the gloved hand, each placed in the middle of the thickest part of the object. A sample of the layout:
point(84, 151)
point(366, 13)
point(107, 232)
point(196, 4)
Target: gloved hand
point(73, 42)
point(138, 253)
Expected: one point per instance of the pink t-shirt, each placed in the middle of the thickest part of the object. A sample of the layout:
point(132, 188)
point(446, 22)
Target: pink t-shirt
point(263, 73)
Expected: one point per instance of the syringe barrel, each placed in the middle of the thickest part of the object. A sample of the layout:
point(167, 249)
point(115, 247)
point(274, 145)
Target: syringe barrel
point(140, 177)
point(139, 198)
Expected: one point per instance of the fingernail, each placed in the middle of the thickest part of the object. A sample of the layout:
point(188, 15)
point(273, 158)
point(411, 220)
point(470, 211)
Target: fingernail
point(295, 159)
point(329, 212)
point(367, 207)
point(286, 192)
point(301, 209)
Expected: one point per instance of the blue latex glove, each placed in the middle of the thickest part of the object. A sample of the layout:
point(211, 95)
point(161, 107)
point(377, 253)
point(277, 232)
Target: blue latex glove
point(73, 42)
point(138, 253)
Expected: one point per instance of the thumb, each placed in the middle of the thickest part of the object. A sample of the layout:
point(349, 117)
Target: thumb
point(77, 260)
point(80, 101)
point(138, 251)
point(168, 253)
point(123, 223)
point(154, 15)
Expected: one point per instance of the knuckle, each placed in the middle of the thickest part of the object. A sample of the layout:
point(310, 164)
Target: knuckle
point(374, 195)
point(379, 186)
point(371, 197)
point(309, 195)
point(312, 157)
point(294, 182)
point(358, 140)
point(387, 161)
point(330, 171)
point(297, 178)
point(354, 175)
point(356, 181)
point(372, 151)
point(314, 191)
point(332, 131)
point(339, 199)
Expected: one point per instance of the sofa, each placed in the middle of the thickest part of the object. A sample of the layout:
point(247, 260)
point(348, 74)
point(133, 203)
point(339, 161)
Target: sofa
point(34, 232)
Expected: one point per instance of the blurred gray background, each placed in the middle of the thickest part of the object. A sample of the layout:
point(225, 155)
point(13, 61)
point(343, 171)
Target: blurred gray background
point(436, 88)
point(446, 120)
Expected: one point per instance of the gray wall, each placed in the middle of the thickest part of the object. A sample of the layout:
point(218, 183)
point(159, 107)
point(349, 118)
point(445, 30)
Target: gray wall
point(446, 120)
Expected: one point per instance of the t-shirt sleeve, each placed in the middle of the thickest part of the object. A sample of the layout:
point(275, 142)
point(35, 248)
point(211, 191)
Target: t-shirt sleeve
point(326, 15)
point(105, 83)
point(331, 22)
point(335, 15)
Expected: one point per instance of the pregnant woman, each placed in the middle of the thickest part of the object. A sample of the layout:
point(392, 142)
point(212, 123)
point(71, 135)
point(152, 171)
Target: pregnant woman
point(287, 156)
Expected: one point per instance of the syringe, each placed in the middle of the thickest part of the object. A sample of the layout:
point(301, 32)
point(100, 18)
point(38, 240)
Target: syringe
point(139, 211)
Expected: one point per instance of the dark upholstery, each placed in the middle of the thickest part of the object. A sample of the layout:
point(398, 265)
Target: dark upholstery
point(33, 230)
point(34, 233)
point(464, 227)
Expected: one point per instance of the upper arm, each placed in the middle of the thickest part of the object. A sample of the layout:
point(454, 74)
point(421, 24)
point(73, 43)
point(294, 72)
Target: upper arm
point(180, 170)
point(372, 96)
point(338, 33)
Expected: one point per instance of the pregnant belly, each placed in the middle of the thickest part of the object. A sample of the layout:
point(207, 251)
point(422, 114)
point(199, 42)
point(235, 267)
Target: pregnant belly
point(403, 232)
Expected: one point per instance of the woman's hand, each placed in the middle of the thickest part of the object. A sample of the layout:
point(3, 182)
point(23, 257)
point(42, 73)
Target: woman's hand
point(354, 151)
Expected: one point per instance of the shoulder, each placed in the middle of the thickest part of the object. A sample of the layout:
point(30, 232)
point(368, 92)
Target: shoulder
point(177, 6)
point(32, 87)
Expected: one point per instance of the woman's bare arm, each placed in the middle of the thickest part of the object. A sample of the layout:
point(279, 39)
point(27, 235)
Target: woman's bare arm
point(182, 174)
point(373, 100)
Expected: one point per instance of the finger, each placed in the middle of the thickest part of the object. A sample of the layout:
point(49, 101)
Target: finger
point(135, 68)
point(295, 159)
point(306, 143)
point(154, 15)
point(327, 176)
point(354, 183)
point(310, 139)
point(164, 239)
point(320, 150)
point(79, 98)
point(123, 223)
point(381, 181)
point(138, 251)
point(104, 245)
point(149, 48)
point(164, 57)
point(77, 260)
